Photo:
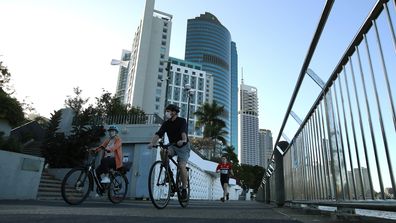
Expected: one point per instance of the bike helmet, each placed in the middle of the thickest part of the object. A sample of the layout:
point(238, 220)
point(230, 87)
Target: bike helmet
point(113, 127)
point(172, 107)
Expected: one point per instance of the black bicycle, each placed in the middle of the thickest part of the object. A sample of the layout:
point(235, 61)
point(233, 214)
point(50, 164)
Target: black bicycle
point(162, 185)
point(79, 182)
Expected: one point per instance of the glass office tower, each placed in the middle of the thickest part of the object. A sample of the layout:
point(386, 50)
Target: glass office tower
point(208, 42)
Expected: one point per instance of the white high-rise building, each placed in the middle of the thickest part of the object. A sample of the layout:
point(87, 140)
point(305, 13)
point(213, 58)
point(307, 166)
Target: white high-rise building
point(182, 73)
point(148, 60)
point(248, 125)
point(265, 146)
point(122, 81)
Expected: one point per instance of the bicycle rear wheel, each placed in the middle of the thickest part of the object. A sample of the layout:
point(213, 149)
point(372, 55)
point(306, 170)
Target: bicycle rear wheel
point(76, 186)
point(183, 202)
point(118, 188)
point(158, 185)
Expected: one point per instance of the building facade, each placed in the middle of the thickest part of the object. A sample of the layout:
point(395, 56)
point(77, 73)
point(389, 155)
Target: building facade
point(208, 42)
point(184, 73)
point(234, 97)
point(265, 146)
point(122, 81)
point(248, 125)
point(148, 61)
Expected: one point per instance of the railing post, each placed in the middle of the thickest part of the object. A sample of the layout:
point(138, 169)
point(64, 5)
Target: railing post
point(335, 150)
point(279, 176)
point(267, 190)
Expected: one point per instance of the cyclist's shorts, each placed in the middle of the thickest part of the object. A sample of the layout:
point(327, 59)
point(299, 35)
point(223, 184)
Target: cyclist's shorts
point(182, 153)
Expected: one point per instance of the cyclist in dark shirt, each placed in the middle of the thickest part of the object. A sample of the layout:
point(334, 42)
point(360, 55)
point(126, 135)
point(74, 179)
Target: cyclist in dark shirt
point(176, 129)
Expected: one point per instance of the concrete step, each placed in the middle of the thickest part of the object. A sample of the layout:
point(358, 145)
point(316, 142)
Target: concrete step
point(50, 181)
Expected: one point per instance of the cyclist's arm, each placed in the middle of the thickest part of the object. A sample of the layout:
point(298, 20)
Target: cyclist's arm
point(154, 140)
point(183, 140)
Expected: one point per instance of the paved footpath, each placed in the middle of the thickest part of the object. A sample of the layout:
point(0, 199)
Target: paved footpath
point(92, 211)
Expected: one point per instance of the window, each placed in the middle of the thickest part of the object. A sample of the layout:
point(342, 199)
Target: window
point(178, 79)
point(176, 94)
point(163, 36)
point(160, 69)
point(165, 30)
point(193, 82)
point(157, 99)
point(159, 84)
point(163, 43)
point(200, 84)
point(185, 79)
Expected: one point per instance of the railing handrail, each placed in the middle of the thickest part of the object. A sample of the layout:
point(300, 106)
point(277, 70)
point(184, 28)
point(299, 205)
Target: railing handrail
point(311, 50)
point(376, 11)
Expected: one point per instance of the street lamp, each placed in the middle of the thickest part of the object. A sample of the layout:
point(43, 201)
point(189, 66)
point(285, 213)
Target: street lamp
point(189, 92)
point(168, 68)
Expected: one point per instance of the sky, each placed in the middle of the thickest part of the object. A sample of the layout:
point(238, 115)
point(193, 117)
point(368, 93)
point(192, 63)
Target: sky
point(52, 46)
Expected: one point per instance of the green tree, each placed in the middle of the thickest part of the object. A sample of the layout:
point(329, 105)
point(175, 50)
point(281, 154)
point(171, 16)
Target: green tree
point(5, 77)
point(76, 103)
point(209, 117)
point(250, 176)
point(11, 110)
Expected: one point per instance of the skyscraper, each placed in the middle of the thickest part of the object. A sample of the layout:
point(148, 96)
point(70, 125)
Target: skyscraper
point(123, 77)
point(150, 53)
point(234, 97)
point(248, 125)
point(265, 146)
point(208, 42)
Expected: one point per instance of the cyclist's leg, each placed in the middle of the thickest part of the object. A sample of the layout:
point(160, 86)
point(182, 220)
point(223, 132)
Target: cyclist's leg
point(183, 154)
point(165, 153)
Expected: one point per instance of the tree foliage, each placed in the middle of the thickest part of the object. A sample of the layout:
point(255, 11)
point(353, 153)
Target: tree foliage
point(209, 116)
point(10, 109)
point(69, 151)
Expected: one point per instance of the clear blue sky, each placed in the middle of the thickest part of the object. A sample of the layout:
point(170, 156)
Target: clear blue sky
point(51, 46)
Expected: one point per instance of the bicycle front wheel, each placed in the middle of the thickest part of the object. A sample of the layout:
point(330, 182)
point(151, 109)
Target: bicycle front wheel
point(118, 188)
point(158, 185)
point(76, 186)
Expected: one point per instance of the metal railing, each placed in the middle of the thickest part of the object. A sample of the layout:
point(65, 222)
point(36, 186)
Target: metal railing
point(146, 119)
point(343, 152)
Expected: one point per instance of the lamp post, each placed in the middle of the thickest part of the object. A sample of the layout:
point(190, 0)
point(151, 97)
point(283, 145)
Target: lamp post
point(189, 92)
point(168, 68)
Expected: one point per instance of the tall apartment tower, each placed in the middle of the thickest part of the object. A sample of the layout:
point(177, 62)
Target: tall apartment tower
point(186, 72)
point(149, 55)
point(209, 43)
point(122, 81)
point(265, 146)
point(248, 125)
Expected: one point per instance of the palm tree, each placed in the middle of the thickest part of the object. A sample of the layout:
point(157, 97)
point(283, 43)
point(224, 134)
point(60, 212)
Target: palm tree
point(208, 116)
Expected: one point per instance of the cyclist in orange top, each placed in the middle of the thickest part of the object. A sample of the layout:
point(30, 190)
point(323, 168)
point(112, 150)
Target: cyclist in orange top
point(112, 156)
point(225, 170)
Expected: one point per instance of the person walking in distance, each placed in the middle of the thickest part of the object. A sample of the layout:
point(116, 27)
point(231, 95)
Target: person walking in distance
point(176, 129)
point(225, 170)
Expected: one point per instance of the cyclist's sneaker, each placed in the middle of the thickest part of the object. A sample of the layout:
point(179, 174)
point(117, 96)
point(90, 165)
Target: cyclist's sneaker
point(228, 196)
point(183, 195)
point(222, 199)
point(105, 180)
